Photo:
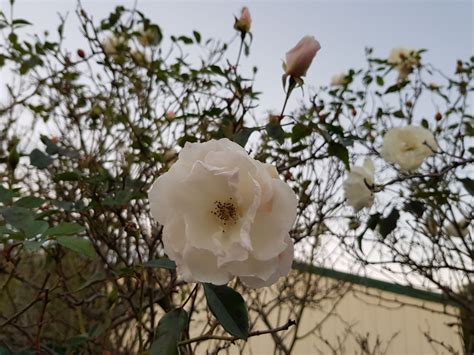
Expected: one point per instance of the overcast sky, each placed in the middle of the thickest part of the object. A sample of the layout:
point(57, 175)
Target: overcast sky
point(344, 29)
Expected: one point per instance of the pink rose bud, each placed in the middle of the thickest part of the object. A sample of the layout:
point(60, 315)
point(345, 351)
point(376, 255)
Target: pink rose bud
point(170, 115)
point(244, 22)
point(300, 57)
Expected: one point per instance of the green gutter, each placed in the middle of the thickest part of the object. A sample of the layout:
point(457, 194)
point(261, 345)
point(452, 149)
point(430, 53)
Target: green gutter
point(377, 284)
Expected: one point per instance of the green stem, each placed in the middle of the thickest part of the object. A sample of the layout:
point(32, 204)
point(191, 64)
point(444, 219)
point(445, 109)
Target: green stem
point(240, 50)
point(291, 86)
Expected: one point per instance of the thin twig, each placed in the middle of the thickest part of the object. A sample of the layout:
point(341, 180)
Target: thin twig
point(232, 339)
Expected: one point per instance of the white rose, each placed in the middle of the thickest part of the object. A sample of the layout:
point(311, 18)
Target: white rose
point(408, 146)
point(357, 193)
point(224, 215)
point(460, 229)
point(404, 59)
point(113, 44)
point(151, 36)
point(339, 79)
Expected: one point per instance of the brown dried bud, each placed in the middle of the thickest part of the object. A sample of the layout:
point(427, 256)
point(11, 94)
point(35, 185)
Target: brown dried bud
point(274, 119)
point(81, 53)
point(438, 116)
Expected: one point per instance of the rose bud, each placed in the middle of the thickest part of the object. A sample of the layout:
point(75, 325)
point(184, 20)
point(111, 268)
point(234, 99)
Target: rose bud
point(274, 119)
point(438, 116)
point(170, 115)
point(81, 53)
point(244, 22)
point(299, 59)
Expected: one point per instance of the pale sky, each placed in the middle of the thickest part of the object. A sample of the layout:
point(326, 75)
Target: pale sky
point(343, 28)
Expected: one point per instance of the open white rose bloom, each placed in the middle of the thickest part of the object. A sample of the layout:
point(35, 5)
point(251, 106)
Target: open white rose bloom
point(404, 59)
point(224, 215)
point(408, 146)
point(357, 193)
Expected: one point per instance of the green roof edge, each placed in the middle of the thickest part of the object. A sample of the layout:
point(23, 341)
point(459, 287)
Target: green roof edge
point(374, 283)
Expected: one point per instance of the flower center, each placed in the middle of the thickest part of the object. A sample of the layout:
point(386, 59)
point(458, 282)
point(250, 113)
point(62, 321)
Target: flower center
point(409, 147)
point(226, 212)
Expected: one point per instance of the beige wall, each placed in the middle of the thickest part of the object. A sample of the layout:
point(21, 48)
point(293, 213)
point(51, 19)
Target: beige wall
point(394, 323)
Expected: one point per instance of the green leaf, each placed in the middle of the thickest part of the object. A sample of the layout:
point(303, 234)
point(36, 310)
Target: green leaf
point(338, 150)
point(20, 23)
point(243, 135)
point(67, 176)
point(32, 245)
point(18, 217)
point(33, 228)
point(122, 198)
point(170, 328)
point(373, 221)
point(39, 159)
point(65, 228)
point(396, 87)
point(299, 131)
point(29, 202)
point(6, 195)
point(399, 114)
point(79, 245)
point(229, 308)
point(417, 208)
point(182, 140)
point(389, 223)
point(197, 36)
point(468, 184)
point(185, 39)
point(162, 263)
point(379, 80)
point(275, 131)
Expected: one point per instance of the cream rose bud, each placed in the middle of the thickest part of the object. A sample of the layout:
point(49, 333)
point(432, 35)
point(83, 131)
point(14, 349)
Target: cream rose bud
point(244, 23)
point(408, 146)
point(224, 214)
point(300, 57)
point(357, 192)
point(339, 79)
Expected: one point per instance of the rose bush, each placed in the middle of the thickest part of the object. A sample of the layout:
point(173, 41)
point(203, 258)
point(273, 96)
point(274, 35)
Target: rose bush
point(224, 215)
